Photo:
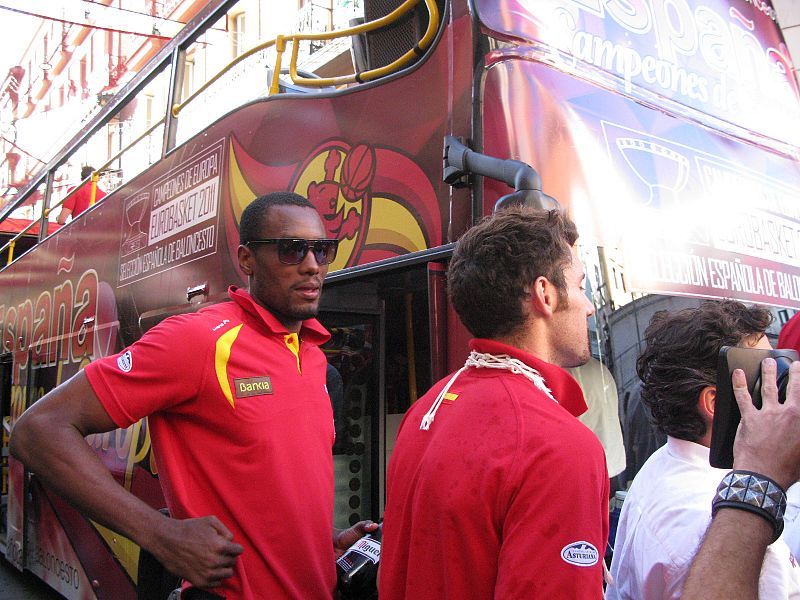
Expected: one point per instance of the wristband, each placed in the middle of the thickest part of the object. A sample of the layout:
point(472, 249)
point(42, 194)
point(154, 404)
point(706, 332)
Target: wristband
point(754, 493)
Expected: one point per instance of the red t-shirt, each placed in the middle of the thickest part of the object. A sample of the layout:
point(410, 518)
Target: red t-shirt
point(505, 496)
point(79, 201)
point(790, 334)
point(239, 432)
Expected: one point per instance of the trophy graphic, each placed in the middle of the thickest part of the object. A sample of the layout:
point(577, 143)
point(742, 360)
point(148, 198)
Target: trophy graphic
point(135, 238)
point(664, 171)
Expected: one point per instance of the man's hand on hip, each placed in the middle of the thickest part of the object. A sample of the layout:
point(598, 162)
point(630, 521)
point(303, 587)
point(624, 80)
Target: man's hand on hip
point(202, 550)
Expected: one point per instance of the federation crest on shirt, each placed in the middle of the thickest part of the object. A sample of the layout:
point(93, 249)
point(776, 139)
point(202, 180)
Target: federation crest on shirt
point(125, 361)
point(580, 554)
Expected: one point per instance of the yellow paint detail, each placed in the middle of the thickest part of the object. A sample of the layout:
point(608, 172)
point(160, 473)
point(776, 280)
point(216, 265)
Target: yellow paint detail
point(392, 223)
point(293, 343)
point(314, 173)
point(221, 356)
point(125, 551)
point(450, 396)
point(241, 194)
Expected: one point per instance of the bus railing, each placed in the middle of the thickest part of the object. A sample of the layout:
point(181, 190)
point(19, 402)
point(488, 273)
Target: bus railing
point(281, 42)
point(92, 179)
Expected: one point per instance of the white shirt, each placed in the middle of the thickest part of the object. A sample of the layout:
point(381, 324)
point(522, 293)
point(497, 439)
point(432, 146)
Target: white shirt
point(791, 520)
point(602, 415)
point(663, 520)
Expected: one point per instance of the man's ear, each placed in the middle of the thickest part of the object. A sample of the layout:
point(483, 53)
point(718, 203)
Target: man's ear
point(544, 296)
point(707, 402)
point(246, 259)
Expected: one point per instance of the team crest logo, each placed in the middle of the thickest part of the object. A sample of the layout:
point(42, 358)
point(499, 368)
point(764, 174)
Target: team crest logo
point(125, 361)
point(581, 554)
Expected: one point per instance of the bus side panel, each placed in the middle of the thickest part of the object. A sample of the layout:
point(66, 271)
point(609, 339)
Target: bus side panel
point(50, 552)
point(15, 514)
point(687, 206)
point(370, 161)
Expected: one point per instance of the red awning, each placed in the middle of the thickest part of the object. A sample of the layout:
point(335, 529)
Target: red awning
point(17, 225)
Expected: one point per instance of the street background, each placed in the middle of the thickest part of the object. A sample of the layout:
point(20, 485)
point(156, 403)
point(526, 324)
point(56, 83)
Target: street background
point(22, 586)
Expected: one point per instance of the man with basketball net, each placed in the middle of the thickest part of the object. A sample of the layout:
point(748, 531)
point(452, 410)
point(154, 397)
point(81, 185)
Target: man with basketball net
point(494, 488)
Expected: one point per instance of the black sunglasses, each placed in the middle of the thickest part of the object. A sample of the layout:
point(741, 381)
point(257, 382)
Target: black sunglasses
point(292, 251)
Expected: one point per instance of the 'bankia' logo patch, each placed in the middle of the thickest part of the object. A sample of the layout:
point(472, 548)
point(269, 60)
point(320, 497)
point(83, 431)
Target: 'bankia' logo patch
point(125, 361)
point(581, 554)
point(252, 386)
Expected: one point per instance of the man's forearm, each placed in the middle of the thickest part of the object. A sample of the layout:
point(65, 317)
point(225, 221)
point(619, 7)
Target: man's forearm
point(729, 561)
point(61, 458)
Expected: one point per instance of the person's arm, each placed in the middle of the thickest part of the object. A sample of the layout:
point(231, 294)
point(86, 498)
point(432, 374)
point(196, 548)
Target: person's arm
point(729, 560)
point(62, 216)
point(49, 439)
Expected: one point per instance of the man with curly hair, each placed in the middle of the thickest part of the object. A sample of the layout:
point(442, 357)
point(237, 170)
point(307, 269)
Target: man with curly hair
point(494, 488)
point(668, 507)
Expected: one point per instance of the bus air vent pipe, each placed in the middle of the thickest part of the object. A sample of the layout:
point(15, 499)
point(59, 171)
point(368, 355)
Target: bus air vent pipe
point(460, 162)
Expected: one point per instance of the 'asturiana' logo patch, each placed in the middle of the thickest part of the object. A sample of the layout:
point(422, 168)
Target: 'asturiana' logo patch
point(125, 361)
point(581, 554)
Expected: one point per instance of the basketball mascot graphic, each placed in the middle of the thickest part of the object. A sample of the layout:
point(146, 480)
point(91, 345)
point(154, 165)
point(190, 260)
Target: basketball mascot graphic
point(376, 201)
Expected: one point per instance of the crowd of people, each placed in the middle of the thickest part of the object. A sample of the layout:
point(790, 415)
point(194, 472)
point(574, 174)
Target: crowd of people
point(494, 488)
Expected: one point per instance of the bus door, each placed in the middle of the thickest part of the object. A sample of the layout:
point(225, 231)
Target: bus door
point(389, 343)
point(354, 382)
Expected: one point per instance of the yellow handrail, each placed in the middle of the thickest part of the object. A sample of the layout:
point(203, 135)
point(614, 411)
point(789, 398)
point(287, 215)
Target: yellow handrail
point(178, 106)
point(280, 46)
point(93, 192)
point(418, 50)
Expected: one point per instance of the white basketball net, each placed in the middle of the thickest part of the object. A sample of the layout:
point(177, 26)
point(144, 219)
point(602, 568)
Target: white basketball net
point(484, 360)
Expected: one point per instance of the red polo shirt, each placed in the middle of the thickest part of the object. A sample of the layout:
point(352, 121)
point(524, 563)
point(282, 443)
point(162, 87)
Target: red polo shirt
point(241, 429)
point(80, 200)
point(505, 496)
point(790, 334)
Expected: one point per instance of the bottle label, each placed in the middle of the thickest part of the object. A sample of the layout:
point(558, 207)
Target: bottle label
point(368, 548)
point(345, 562)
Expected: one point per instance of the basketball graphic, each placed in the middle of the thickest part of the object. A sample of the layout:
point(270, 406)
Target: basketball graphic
point(358, 171)
point(376, 201)
point(343, 200)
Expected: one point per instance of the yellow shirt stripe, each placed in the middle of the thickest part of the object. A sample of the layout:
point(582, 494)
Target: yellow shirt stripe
point(221, 356)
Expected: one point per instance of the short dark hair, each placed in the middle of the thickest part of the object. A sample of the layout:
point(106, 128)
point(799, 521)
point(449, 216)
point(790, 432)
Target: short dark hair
point(255, 214)
point(680, 359)
point(496, 262)
point(86, 171)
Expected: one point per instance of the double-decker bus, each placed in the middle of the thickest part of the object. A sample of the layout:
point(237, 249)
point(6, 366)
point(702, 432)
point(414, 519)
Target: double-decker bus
point(668, 129)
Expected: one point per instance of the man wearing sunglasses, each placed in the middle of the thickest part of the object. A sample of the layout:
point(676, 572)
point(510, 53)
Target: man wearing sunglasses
point(240, 423)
